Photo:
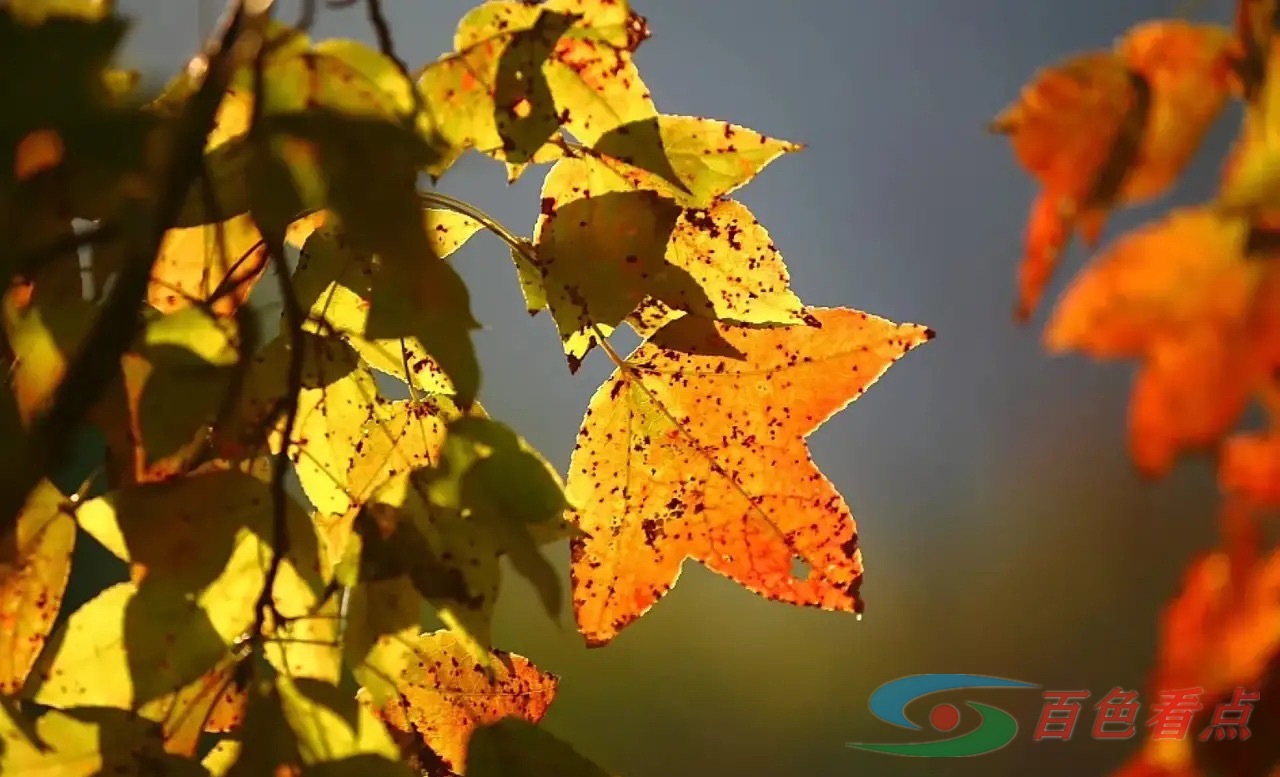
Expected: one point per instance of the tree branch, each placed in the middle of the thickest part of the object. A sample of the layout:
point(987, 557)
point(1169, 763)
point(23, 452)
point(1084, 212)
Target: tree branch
point(98, 360)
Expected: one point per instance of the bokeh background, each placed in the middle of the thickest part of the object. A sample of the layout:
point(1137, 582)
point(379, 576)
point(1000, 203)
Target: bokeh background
point(1004, 530)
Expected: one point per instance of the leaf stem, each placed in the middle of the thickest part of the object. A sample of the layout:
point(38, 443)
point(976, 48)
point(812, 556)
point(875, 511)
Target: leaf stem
point(517, 243)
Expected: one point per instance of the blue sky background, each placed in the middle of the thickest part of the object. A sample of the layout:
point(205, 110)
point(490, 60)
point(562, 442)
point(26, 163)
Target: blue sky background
point(1004, 530)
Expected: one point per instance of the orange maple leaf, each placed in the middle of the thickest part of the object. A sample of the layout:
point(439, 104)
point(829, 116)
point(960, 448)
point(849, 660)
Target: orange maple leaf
point(1221, 632)
point(444, 696)
point(1250, 468)
point(1111, 128)
point(1200, 305)
point(695, 449)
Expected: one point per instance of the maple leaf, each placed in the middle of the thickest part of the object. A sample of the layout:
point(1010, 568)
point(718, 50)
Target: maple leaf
point(683, 451)
point(604, 249)
point(212, 704)
point(443, 695)
point(1220, 633)
point(691, 160)
point(86, 742)
point(44, 319)
point(297, 725)
point(192, 594)
point(519, 72)
point(223, 259)
point(1250, 467)
point(1188, 296)
point(31, 590)
point(1254, 23)
point(335, 284)
point(1111, 128)
point(416, 492)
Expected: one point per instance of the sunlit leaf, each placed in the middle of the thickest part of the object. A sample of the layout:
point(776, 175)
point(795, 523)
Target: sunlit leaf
point(214, 703)
point(337, 283)
point(195, 585)
point(695, 161)
point(521, 71)
point(31, 589)
point(681, 451)
point(414, 293)
point(45, 319)
point(300, 726)
point(175, 383)
point(605, 248)
point(88, 742)
point(444, 695)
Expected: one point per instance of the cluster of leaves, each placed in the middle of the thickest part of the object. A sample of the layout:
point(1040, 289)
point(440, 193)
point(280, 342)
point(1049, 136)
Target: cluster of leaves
point(1195, 296)
point(284, 623)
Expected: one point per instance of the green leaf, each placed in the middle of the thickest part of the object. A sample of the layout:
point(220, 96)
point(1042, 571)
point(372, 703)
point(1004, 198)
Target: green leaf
point(516, 748)
point(370, 171)
point(530, 277)
point(331, 725)
point(496, 479)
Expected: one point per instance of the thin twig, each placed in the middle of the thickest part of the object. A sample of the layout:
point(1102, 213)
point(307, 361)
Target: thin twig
point(98, 359)
point(378, 20)
point(294, 319)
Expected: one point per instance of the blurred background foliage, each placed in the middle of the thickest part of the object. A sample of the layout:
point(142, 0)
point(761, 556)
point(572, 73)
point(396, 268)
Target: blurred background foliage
point(1004, 528)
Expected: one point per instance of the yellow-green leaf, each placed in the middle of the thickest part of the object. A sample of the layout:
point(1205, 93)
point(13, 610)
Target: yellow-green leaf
point(31, 590)
point(605, 248)
point(337, 285)
point(695, 162)
point(87, 743)
point(195, 584)
point(519, 72)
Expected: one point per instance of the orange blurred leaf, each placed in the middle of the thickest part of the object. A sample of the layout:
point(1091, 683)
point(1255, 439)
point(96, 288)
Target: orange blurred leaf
point(682, 452)
point(1190, 297)
point(1250, 467)
point(1112, 128)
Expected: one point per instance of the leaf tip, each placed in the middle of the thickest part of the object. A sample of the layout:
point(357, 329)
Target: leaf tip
point(1021, 313)
point(1004, 123)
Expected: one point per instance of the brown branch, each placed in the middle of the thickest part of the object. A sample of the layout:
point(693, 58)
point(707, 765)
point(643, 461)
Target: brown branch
point(273, 237)
point(101, 232)
point(378, 20)
point(98, 359)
